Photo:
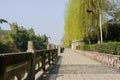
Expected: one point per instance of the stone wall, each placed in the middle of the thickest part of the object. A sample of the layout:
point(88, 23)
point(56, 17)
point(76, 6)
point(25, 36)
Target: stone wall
point(110, 60)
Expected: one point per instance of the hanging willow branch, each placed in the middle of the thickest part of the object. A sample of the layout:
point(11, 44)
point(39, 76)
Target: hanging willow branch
point(79, 23)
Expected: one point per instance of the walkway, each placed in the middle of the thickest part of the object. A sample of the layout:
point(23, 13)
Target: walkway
point(74, 66)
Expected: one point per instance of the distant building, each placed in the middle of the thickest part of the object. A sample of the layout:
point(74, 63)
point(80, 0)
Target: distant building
point(74, 44)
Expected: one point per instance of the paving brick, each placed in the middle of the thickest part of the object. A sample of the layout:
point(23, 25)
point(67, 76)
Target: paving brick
point(74, 66)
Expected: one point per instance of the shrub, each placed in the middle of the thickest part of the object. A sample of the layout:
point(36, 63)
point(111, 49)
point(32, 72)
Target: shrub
point(83, 47)
point(109, 48)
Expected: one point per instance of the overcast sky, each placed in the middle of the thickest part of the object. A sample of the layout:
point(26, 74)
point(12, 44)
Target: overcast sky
point(44, 16)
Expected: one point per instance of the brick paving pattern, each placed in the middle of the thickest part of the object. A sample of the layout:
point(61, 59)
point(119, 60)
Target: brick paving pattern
point(74, 66)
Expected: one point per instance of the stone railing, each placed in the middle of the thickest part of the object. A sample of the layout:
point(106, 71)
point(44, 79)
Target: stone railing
point(25, 65)
point(110, 60)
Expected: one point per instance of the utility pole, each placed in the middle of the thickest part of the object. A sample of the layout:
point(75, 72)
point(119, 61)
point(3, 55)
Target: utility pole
point(99, 12)
point(101, 35)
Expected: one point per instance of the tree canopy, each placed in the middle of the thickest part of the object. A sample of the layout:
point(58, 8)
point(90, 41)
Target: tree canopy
point(19, 37)
point(81, 25)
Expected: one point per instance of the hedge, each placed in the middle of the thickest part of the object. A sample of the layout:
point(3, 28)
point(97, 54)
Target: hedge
point(109, 48)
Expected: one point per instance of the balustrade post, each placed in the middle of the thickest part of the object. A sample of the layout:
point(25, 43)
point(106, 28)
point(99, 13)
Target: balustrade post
point(32, 62)
point(54, 46)
point(49, 46)
point(59, 49)
point(30, 47)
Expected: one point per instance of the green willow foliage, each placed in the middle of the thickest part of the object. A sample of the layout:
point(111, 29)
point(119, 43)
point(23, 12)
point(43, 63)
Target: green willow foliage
point(80, 24)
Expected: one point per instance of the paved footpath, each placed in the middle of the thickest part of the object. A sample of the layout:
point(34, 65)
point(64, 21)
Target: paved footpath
point(74, 66)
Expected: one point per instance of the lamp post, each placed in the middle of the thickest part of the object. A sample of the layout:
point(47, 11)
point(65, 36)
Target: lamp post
point(100, 23)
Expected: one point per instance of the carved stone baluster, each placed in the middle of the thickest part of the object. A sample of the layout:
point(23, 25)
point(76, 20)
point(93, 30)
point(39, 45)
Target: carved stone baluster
point(43, 61)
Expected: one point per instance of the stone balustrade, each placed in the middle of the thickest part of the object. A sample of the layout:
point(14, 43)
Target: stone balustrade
point(25, 65)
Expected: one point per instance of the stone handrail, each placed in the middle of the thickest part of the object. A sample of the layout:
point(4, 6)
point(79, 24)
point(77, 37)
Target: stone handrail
point(24, 65)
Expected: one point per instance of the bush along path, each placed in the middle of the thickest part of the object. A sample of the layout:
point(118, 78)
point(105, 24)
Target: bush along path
point(107, 48)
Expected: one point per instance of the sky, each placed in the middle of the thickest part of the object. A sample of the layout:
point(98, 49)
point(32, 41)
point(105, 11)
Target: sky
point(44, 16)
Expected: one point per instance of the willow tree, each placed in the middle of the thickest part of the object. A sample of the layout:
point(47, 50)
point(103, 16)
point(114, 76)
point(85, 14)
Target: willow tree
point(80, 24)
